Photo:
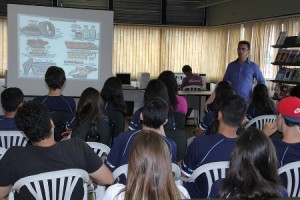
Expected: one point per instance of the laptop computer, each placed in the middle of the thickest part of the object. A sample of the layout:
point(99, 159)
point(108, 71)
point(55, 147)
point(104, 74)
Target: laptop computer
point(125, 79)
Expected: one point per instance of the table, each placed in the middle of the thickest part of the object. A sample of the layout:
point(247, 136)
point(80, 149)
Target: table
point(196, 100)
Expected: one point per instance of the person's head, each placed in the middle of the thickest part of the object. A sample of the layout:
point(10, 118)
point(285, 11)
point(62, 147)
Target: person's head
point(55, 77)
point(35, 121)
point(295, 91)
point(149, 169)
point(232, 111)
point(263, 103)
point(186, 69)
point(112, 92)
point(288, 110)
point(90, 106)
point(253, 168)
point(155, 113)
point(11, 99)
point(222, 90)
point(168, 78)
point(243, 49)
point(156, 88)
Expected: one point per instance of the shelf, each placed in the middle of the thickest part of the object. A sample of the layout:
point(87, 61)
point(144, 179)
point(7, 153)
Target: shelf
point(287, 82)
point(288, 43)
point(286, 64)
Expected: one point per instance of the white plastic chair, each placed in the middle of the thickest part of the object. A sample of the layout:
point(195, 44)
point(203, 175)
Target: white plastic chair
point(2, 152)
point(192, 88)
point(291, 171)
point(100, 149)
point(261, 120)
point(12, 138)
point(66, 179)
point(217, 169)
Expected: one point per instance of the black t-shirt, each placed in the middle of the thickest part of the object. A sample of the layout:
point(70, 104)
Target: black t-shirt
point(19, 162)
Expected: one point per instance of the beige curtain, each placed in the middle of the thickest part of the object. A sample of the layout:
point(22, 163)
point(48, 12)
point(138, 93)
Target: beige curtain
point(136, 49)
point(3, 46)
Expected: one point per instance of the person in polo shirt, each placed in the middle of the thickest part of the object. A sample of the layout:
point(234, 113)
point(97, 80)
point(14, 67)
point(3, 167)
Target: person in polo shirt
point(288, 122)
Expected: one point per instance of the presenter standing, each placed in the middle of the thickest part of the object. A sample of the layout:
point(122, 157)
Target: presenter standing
point(241, 73)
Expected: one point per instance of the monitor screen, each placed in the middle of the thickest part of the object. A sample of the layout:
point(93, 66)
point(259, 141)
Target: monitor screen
point(124, 78)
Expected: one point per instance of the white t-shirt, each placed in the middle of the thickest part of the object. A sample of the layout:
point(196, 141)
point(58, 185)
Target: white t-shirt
point(113, 190)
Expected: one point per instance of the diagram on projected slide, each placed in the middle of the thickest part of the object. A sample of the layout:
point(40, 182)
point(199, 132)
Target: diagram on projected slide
point(67, 43)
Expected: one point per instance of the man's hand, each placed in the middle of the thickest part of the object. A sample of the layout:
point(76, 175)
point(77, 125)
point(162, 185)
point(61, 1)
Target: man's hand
point(270, 128)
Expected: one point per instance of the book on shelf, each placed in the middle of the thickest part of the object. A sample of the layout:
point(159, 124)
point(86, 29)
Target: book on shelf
point(296, 57)
point(297, 76)
point(284, 56)
point(291, 56)
point(293, 75)
point(287, 74)
point(278, 56)
point(281, 38)
point(280, 74)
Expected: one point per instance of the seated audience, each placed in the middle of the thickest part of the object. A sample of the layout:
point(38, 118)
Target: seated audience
point(55, 79)
point(260, 103)
point(155, 88)
point(90, 123)
point(112, 95)
point(288, 122)
point(222, 90)
point(11, 99)
point(177, 103)
point(45, 155)
point(149, 172)
point(190, 79)
point(214, 148)
point(252, 172)
point(154, 115)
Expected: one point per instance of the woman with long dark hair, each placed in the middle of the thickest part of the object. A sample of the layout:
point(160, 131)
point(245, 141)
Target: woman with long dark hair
point(261, 102)
point(89, 122)
point(112, 95)
point(177, 103)
point(253, 170)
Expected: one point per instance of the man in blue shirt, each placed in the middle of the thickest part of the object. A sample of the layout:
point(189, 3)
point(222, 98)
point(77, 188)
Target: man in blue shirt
point(11, 99)
point(154, 115)
point(242, 72)
point(214, 148)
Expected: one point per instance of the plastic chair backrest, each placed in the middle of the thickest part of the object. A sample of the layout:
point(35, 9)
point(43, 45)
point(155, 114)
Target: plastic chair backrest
point(2, 152)
point(100, 149)
point(12, 138)
point(259, 121)
point(213, 171)
point(62, 184)
point(291, 171)
point(192, 88)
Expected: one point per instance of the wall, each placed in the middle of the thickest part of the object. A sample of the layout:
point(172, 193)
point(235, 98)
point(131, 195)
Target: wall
point(245, 10)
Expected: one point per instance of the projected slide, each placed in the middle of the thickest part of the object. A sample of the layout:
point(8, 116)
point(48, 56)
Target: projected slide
point(71, 44)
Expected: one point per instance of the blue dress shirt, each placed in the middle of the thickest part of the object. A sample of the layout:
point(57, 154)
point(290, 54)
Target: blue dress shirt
point(242, 76)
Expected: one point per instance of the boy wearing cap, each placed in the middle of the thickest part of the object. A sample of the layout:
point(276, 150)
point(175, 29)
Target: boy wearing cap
point(288, 122)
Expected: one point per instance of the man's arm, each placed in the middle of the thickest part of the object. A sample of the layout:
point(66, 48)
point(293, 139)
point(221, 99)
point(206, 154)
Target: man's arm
point(102, 176)
point(259, 77)
point(4, 191)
